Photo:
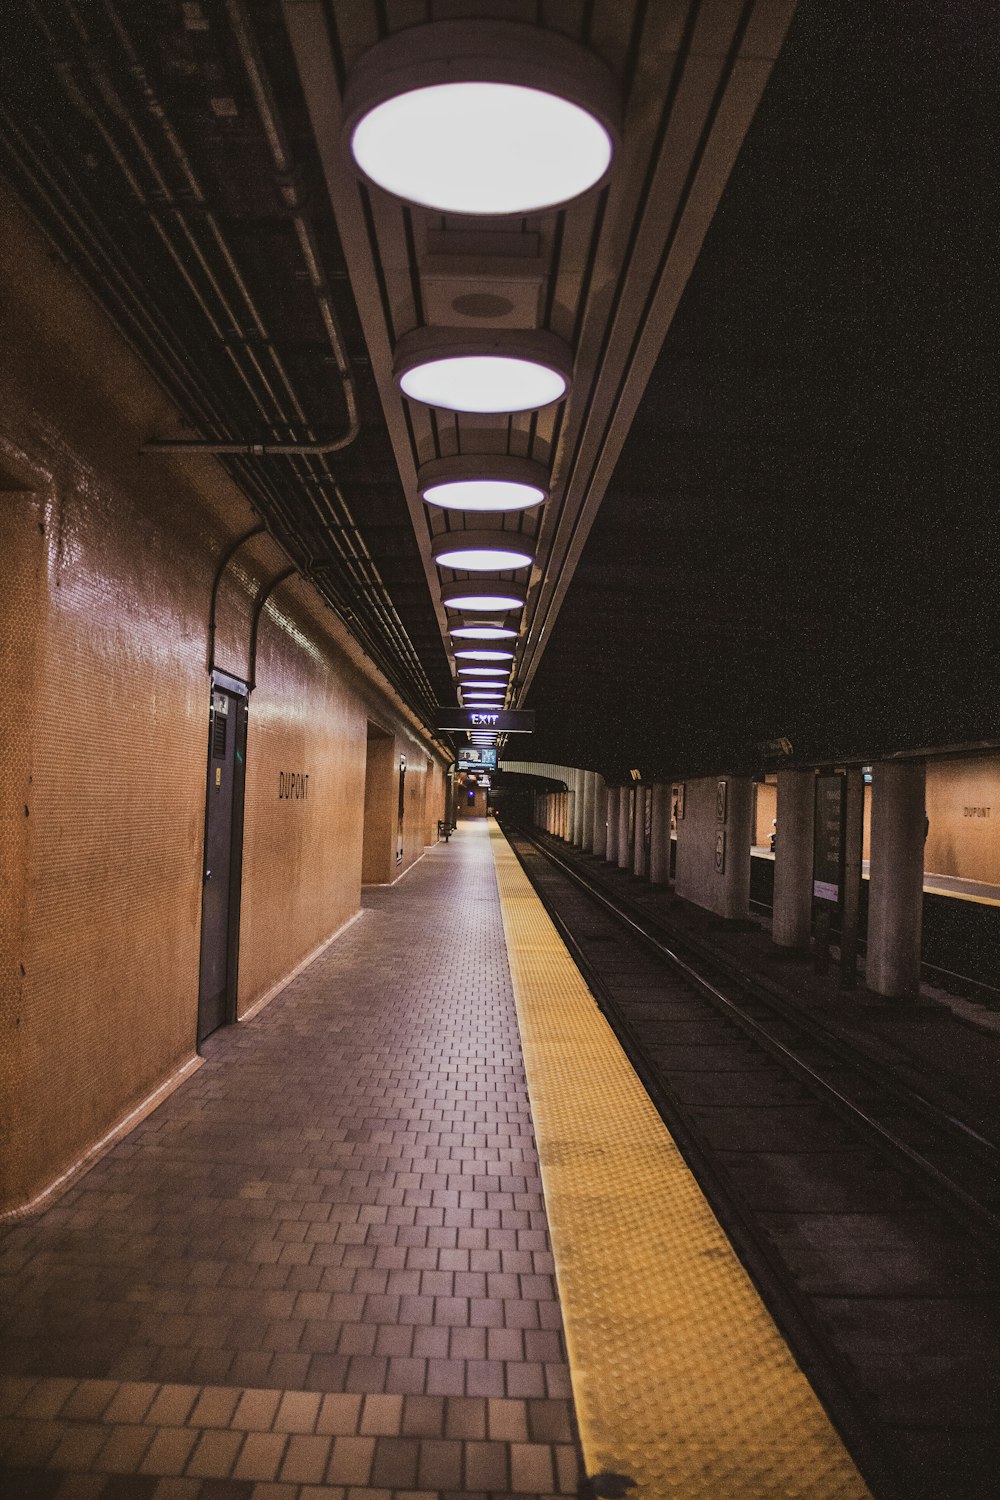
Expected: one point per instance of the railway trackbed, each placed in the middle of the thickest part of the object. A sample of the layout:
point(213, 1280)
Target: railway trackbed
point(867, 1213)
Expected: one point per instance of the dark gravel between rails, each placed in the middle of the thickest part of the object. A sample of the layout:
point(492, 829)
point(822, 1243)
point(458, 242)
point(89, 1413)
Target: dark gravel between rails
point(859, 1185)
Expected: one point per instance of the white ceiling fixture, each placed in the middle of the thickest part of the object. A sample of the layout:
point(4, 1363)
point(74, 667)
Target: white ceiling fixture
point(464, 370)
point(503, 672)
point(481, 551)
point(484, 656)
point(483, 594)
point(482, 633)
point(483, 482)
point(481, 117)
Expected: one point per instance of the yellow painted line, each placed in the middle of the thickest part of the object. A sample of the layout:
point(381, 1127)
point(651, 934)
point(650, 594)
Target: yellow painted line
point(682, 1382)
point(940, 890)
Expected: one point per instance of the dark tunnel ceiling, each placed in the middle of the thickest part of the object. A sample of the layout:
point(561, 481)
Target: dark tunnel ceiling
point(802, 535)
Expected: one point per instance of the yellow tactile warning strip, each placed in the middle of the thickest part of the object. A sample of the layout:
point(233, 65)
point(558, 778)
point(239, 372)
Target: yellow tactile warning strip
point(682, 1382)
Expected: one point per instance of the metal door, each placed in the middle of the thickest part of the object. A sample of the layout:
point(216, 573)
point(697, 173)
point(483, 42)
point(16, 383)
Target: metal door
point(223, 860)
point(401, 810)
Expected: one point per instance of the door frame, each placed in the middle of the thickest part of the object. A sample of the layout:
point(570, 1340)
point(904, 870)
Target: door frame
point(240, 690)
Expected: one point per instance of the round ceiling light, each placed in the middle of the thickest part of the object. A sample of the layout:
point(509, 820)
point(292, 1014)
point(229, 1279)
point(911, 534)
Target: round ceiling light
point(480, 551)
point(494, 672)
point(487, 482)
point(497, 370)
point(483, 117)
point(484, 655)
point(485, 594)
point(482, 633)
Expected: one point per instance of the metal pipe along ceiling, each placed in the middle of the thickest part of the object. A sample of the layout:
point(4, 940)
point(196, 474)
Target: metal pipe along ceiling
point(349, 580)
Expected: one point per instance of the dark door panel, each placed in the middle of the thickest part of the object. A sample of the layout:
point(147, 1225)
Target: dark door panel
point(223, 851)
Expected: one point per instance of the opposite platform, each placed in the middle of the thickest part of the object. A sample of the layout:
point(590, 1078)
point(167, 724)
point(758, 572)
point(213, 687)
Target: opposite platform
point(321, 1267)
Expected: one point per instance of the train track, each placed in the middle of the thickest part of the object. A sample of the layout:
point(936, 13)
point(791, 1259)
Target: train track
point(867, 1213)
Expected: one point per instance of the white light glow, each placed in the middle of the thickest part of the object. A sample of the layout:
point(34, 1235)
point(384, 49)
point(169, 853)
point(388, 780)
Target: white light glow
point(483, 383)
point(482, 559)
point(484, 655)
point(484, 495)
point(482, 148)
point(483, 601)
point(484, 672)
point(482, 632)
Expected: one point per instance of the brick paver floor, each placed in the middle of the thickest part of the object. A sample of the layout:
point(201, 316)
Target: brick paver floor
point(321, 1268)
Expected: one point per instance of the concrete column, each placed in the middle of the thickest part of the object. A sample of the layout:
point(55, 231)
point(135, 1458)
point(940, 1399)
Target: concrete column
point(611, 848)
point(793, 859)
point(639, 845)
point(896, 885)
point(563, 815)
point(624, 852)
point(600, 824)
point(659, 836)
point(716, 830)
point(578, 809)
point(550, 811)
point(587, 832)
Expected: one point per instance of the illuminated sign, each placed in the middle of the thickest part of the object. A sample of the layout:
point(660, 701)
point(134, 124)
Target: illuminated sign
point(473, 756)
point(501, 720)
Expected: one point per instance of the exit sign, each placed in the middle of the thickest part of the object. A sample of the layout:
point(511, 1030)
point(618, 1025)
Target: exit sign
point(497, 720)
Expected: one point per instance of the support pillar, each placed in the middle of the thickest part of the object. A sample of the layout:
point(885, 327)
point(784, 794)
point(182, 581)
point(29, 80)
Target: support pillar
point(850, 909)
point(563, 815)
point(793, 860)
point(578, 809)
point(896, 886)
point(624, 852)
point(659, 835)
point(589, 791)
point(639, 841)
point(611, 851)
point(600, 833)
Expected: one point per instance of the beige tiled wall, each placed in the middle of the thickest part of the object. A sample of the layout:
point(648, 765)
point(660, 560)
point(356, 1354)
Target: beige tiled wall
point(108, 558)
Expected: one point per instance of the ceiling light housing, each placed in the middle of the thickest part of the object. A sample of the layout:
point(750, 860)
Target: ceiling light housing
point(484, 483)
point(481, 551)
point(487, 594)
point(484, 656)
point(481, 117)
point(482, 633)
point(488, 371)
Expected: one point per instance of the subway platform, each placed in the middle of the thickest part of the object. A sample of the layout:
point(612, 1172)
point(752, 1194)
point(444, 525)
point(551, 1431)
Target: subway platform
point(323, 1267)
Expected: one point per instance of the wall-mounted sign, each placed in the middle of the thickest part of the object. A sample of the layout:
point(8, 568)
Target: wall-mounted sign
point(293, 786)
point(721, 801)
point(472, 756)
point(828, 839)
point(720, 850)
point(502, 720)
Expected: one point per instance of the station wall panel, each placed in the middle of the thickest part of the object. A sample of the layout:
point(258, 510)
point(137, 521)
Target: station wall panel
point(107, 559)
point(963, 810)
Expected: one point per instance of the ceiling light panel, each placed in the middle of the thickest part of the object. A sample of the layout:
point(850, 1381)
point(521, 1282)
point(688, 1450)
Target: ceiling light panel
point(483, 594)
point(481, 551)
point(482, 633)
point(484, 117)
point(462, 370)
point(483, 483)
